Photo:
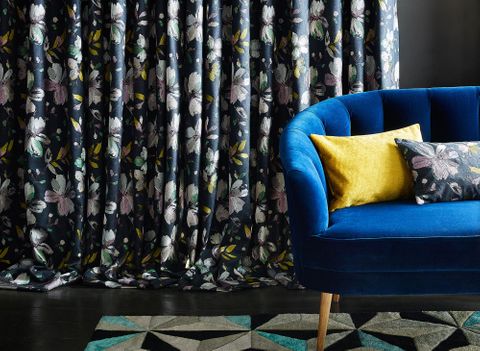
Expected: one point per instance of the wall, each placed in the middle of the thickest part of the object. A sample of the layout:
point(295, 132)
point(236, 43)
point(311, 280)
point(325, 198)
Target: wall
point(439, 42)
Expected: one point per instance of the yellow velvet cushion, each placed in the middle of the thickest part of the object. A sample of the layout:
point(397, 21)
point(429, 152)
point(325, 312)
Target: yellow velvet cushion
point(364, 169)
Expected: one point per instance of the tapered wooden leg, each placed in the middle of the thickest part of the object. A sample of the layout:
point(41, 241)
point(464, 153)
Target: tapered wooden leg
point(336, 298)
point(325, 304)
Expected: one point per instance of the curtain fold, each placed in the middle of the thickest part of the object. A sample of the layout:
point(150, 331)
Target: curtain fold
point(139, 139)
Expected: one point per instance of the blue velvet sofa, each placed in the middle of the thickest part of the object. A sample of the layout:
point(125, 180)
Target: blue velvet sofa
point(391, 248)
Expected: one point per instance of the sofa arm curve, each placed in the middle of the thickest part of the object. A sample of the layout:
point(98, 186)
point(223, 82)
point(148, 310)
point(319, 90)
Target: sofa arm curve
point(304, 180)
point(307, 203)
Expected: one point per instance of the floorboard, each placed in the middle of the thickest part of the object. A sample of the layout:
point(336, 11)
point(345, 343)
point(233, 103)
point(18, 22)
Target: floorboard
point(63, 319)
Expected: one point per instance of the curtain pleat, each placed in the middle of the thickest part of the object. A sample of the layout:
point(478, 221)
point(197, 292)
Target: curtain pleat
point(139, 139)
point(75, 94)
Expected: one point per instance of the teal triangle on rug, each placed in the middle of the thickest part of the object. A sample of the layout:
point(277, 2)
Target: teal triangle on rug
point(244, 321)
point(104, 344)
point(473, 321)
point(374, 343)
point(120, 320)
point(289, 343)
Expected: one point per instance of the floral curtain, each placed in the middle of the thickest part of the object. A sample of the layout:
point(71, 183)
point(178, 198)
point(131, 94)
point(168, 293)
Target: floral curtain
point(139, 138)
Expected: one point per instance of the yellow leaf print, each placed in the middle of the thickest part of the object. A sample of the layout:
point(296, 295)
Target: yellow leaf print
point(76, 125)
point(97, 35)
point(248, 232)
point(230, 248)
point(3, 252)
point(475, 170)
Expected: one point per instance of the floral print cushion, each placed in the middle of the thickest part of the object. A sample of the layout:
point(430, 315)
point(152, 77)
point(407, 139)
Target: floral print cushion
point(443, 171)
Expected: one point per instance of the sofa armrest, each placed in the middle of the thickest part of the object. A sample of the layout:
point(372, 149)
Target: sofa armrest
point(304, 175)
point(305, 183)
point(307, 203)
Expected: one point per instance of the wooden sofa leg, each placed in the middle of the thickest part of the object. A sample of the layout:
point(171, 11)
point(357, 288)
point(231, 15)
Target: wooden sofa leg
point(336, 298)
point(325, 304)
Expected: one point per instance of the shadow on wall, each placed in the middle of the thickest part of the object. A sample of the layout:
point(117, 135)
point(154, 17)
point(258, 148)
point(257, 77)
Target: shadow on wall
point(439, 42)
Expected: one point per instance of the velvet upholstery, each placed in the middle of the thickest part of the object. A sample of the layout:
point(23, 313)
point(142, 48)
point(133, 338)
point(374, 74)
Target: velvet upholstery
point(348, 163)
point(392, 247)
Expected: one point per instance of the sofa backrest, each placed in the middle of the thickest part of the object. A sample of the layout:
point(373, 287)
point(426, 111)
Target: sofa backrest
point(445, 114)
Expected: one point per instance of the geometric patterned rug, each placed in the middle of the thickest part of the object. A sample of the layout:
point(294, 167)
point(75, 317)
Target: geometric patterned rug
point(387, 331)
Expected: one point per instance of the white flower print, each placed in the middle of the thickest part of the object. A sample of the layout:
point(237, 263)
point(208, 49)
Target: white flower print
point(193, 135)
point(56, 84)
point(5, 192)
point(61, 195)
point(168, 249)
point(238, 193)
point(126, 195)
point(195, 93)
point(358, 14)
point(172, 24)
point(170, 199)
point(76, 59)
point(160, 74)
point(37, 24)
point(173, 8)
point(240, 82)
point(387, 45)
point(173, 90)
point(74, 68)
point(118, 25)
point(94, 86)
point(35, 139)
point(215, 49)
point(93, 203)
point(141, 46)
point(155, 191)
point(114, 136)
point(212, 158)
point(255, 48)
point(318, 23)
point(279, 193)
point(116, 11)
point(284, 89)
point(334, 78)
point(264, 135)
point(194, 25)
point(440, 159)
point(6, 91)
point(110, 207)
point(127, 91)
point(300, 46)
point(152, 138)
point(172, 132)
point(41, 249)
point(192, 199)
point(268, 14)
point(108, 237)
point(260, 213)
point(37, 13)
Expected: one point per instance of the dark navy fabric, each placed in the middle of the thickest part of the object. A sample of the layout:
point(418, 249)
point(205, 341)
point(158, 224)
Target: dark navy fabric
point(385, 248)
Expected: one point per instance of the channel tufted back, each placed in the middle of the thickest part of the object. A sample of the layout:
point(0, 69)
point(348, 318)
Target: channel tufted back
point(445, 114)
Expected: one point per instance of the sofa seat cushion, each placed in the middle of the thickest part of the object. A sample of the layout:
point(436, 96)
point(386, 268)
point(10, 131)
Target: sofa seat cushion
point(405, 219)
point(398, 237)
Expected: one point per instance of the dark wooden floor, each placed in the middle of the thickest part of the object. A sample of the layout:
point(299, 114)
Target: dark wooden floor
point(63, 319)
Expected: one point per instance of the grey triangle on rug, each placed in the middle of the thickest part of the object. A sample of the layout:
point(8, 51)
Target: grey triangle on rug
point(427, 330)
